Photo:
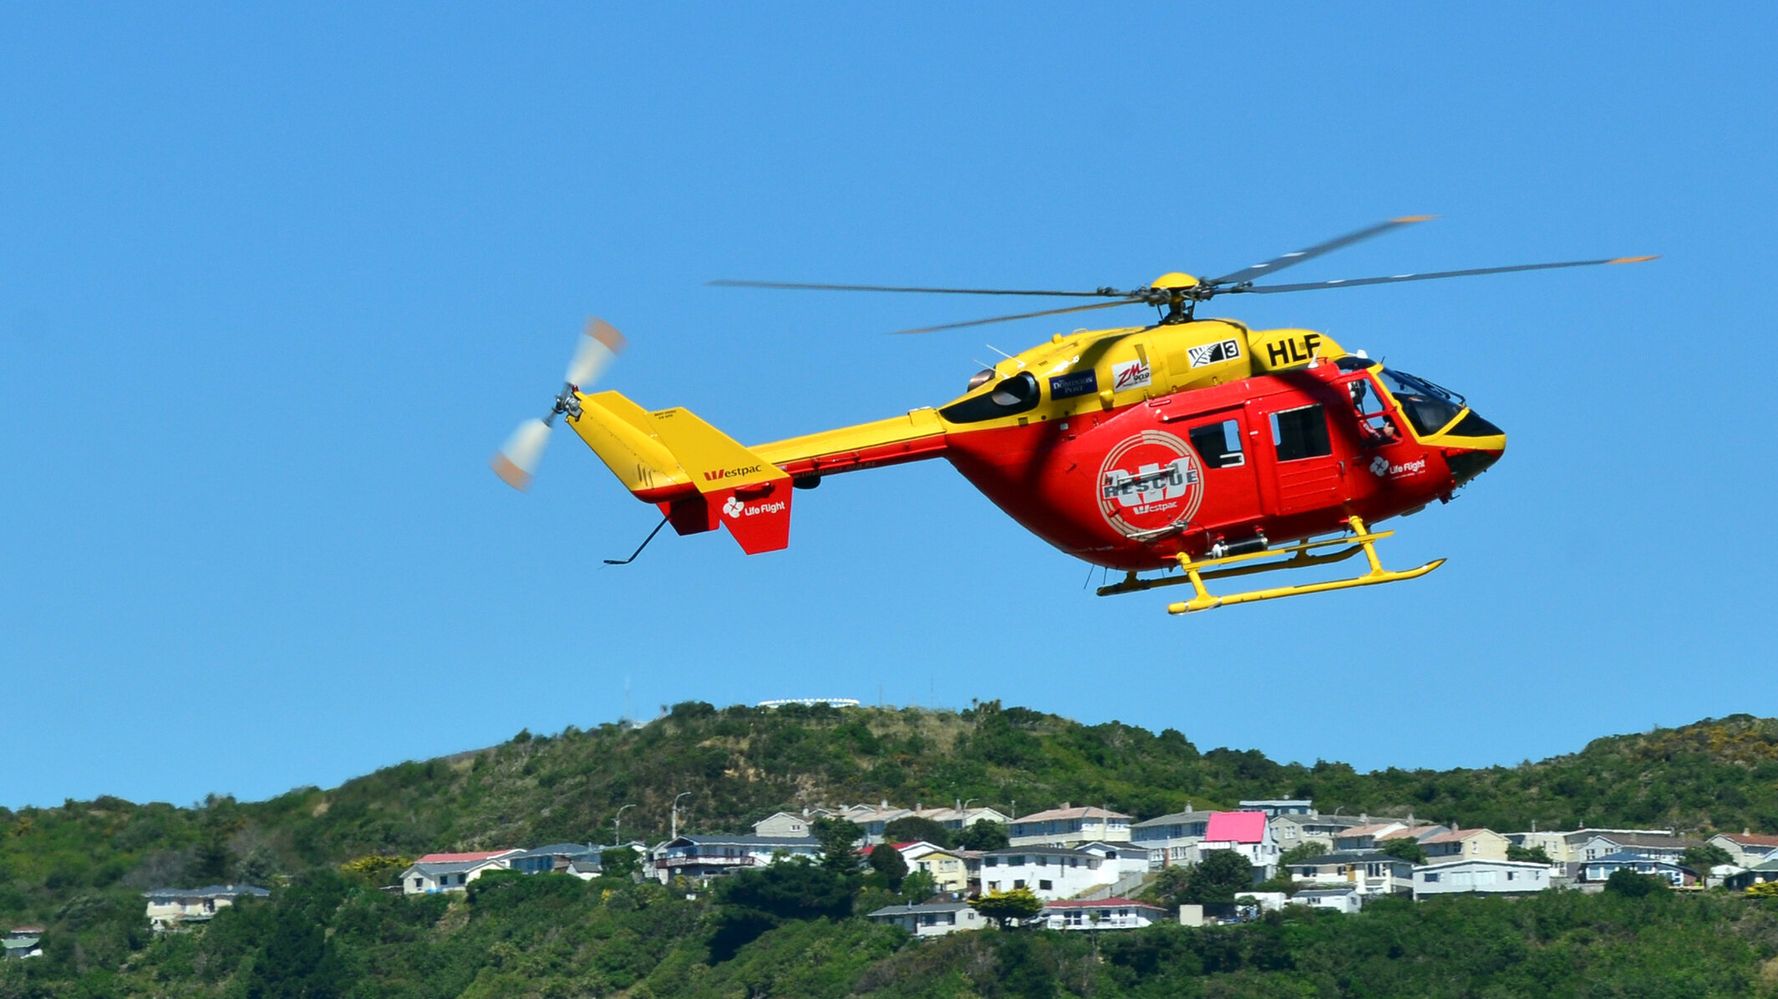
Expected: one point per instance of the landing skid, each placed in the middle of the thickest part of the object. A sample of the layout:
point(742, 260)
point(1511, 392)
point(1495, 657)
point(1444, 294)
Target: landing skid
point(1294, 556)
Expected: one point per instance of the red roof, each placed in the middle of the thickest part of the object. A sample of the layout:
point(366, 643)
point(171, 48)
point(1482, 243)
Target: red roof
point(462, 858)
point(1751, 839)
point(1236, 827)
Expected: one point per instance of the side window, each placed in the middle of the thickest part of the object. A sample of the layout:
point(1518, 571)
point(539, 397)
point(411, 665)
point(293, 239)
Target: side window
point(1219, 444)
point(1300, 433)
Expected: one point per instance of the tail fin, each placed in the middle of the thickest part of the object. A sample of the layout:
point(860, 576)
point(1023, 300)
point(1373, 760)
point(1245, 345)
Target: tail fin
point(699, 476)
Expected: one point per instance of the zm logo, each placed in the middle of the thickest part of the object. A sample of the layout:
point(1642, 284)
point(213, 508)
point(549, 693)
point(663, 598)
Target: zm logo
point(718, 474)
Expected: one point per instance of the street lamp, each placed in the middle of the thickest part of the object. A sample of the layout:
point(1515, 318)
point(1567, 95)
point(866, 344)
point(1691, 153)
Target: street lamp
point(617, 825)
point(676, 798)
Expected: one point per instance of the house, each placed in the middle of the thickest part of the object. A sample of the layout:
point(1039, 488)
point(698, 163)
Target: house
point(1651, 845)
point(1369, 872)
point(424, 878)
point(1566, 847)
point(555, 857)
point(1757, 874)
point(1747, 849)
point(948, 870)
point(1068, 825)
point(1172, 840)
point(1364, 835)
point(934, 919)
point(1464, 844)
point(21, 942)
point(462, 858)
point(1100, 914)
point(784, 824)
point(1292, 830)
point(716, 854)
point(873, 820)
point(1049, 871)
point(960, 818)
point(1274, 807)
point(1245, 833)
point(1346, 900)
point(1602, 868)
point(1480, 876)
point(170, 908)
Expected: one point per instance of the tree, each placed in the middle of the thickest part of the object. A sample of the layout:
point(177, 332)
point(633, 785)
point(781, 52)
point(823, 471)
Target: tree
point(1303, 851)
point(1530, 854)
point(1008, 907)
point(619, 862)
point(912, 828)
point(1219, 877)
point(839, 841)
point(888, 861)
point(1702, 857)
point(918, 886)
point(1404, 848)
point(1629, 884)
point(984, 835)
point(753, 901)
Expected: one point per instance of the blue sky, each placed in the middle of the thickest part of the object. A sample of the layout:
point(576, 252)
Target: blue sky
point(276, 280)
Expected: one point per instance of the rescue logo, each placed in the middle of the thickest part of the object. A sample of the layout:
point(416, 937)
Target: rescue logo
point(1212, 353)
point(1149, 483)
point(1129, 375)
point(1381, 467)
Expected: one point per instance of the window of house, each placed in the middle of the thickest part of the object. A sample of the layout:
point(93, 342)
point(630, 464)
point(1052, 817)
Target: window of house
point(1431, 879)
point(1045, 886)
point(1300, 433)
point(1219, 444)
point(1020, 883)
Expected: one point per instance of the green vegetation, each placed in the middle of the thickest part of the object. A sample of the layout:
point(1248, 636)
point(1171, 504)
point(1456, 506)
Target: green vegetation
point(79, 868)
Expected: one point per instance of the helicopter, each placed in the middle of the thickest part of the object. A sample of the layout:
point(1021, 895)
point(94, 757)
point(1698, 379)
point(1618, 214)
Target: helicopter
point(1188, 449)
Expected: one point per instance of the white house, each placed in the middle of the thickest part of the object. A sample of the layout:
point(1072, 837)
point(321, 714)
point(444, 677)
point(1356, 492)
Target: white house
point(1365, 835)
point(933, 919)
point(1368, 872)
point(1068, 826)
point(1465, 844)
point(1481, 877)
point(168, 908)
point(1274, 807)
point(1172, 840)
point(716, 854)
point(1346, 900)
point(872, 820)
point(1602, 868)
point(1049, 871)
point(426, 878)
point(1245, 833)
point(960, 818)
point(23, 941)
point(1100, 914)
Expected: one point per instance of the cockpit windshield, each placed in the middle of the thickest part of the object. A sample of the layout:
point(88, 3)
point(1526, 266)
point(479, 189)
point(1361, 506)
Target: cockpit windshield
point(1012, 395)
point(1429, 407)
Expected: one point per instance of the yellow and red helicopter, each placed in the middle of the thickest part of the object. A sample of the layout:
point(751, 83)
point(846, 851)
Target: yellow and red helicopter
point(1199, 447)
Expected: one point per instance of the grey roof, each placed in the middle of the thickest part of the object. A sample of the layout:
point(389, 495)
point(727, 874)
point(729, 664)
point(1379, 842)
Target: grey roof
point(903, 910)
point(1349, 857)
point(454, 867)
point(1626, 857)
point(746, 839)
point(1130, 848)
point(1342, 821)
point(1051, 851)
point(1324, 892)
point(208, 891)
point(561, 850)
point(1648, 839)
point(1176, 818)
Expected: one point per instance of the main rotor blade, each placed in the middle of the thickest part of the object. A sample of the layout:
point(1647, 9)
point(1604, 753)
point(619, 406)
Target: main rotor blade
point(1276, 264)
point(1021, 315)
point(805, 286)
point(1266, 289)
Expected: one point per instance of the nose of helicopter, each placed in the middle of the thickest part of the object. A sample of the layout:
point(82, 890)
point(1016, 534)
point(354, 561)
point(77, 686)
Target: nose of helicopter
point(1482, 442)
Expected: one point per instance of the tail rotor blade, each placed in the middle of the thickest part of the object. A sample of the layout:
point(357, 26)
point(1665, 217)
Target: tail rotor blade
point(599, 346)
point(516, 461)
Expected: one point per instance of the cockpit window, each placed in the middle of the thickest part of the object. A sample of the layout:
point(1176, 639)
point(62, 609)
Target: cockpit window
point(1013, 395)
point(1429, 407)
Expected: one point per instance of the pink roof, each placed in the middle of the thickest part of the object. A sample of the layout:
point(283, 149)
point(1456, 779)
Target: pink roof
point(462, 858)
point(1236, 827)
point(1751, 839)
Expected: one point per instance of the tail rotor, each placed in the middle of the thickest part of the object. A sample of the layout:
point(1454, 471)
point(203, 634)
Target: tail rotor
point(516, 461)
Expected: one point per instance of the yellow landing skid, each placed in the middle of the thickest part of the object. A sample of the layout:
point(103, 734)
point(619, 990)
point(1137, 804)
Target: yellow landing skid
point(1298, 557)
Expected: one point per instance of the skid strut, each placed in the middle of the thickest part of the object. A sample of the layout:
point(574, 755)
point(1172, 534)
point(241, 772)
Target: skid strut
point(1196, 572)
